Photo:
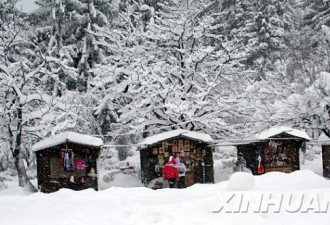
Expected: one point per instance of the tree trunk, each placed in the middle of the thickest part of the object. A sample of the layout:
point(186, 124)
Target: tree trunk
point(303, 153)
point(23, 180)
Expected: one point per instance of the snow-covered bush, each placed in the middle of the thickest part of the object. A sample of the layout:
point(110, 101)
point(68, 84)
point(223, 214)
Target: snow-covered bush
point(312, 151)
point(109, 177)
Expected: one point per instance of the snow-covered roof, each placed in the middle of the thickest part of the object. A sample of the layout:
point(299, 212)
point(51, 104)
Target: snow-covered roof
point(175, 133)
point(323, 139)
point(67, 137)
point(282, 129)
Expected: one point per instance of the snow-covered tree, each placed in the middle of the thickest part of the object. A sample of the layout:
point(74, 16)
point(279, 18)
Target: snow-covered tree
point(65, 30)
point(33, 101)
point(22, 76)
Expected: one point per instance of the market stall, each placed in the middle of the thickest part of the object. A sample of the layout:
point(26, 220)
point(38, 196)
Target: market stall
point(276, 149)
point(67, 160)
point(326, 158)
point(191, 147)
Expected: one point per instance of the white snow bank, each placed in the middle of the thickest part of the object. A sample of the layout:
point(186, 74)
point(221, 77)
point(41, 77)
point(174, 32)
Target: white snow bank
point(176, 133)
point(282, 129)
point(140, 206)
point(241, 181)
point(297, 180)
point(67, 137)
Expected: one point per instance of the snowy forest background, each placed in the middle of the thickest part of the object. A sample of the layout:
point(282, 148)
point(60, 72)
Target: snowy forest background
point(126, 69)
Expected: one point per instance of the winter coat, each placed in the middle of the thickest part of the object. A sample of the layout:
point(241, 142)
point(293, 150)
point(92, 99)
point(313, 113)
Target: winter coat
point(242, 162)
point(178, 164)
point(240, 165)
point(79, 164)
point(170, 171)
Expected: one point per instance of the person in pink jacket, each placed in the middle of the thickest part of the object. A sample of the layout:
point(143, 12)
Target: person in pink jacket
point(170, 172)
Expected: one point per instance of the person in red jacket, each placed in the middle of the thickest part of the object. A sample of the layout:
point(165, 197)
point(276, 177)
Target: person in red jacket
point(170, 172)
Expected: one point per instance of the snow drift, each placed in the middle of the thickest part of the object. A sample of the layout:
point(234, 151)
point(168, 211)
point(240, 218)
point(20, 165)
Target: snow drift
point(141, 205)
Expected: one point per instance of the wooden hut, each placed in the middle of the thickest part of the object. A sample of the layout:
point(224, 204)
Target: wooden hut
point(67, 160)
point(326, 158)
point(276, 149)
point(192, 148)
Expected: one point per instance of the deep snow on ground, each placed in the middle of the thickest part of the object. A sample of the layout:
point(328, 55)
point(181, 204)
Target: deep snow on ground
point(124, 201)
point(140, 205)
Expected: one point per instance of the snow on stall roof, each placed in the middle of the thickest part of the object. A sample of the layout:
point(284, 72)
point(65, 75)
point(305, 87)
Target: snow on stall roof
point(282, 129)
point(175, 133)
point(324, 139)
point(67, 137)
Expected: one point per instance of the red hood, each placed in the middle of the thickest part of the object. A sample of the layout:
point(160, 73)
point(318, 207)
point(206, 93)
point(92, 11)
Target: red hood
point(171, 160)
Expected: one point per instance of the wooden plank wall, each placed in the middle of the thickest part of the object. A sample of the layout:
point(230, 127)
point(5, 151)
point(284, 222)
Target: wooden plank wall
point(326, 160)
point(50, 181)
point(290, 147)
point(198, 158)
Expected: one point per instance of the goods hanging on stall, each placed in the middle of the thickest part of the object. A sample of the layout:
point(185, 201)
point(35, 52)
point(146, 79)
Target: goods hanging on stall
point(191, 147)
point(276, 149)
point(67, 160)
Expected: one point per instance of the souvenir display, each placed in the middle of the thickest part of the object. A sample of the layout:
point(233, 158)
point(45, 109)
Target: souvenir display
point(69, 164)
point(157, 168)
point(277, 155)
point(181, 143)
point(260, 165)
point(165, 145)
point(79, 165)
point(183, 148)
point(161, 161)
point(66, 159)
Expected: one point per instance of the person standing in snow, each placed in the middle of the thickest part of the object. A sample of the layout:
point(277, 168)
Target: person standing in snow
point(182, 172)
point(170, 172)
point(241, 163)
